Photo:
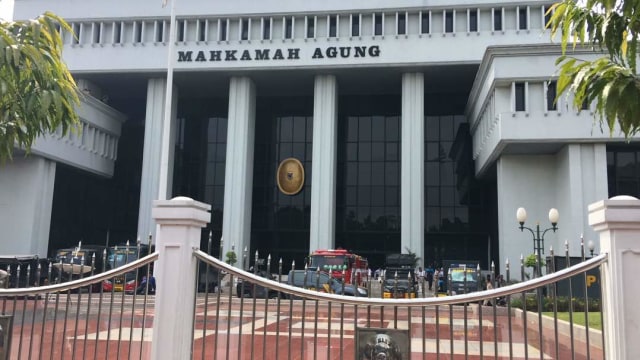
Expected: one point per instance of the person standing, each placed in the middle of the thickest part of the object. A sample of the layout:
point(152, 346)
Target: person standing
point(429, 275)
point(489, 287)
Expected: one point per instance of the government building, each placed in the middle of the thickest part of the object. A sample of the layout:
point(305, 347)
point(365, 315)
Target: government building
point(375, 126)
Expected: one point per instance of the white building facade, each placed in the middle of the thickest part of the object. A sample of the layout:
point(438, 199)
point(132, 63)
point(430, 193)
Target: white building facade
point(421, 126)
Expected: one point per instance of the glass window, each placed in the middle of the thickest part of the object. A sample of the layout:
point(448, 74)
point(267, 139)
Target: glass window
point(352, 128)
point(520, 97)
point(355, 25)
point(202, 30)
point(402, 24)
point(244, 29)
point(432, 173)
point(352, 151)
point(424, 23)
point(523, 18)
point(223, 30)
point(364, 196)
point(392, 128)
point(392, 153)
point(364, 131)
point(551, 96)
point(473, 20)
point(288, 28)
point(432, 196)
point(377, 173)
point(377, 18)
point(547, 15)
point(497, 19)
point(266, 29)
point(159, 36)
point(333, 26)
point(378, 151)
point(311, 26)
point(352, 173)
point(448, 21)
point(377, 128)
point(391, 195)
point(364, 151)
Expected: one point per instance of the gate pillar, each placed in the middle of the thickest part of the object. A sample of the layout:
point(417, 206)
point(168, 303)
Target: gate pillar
point(179, 230)
point(617, 221)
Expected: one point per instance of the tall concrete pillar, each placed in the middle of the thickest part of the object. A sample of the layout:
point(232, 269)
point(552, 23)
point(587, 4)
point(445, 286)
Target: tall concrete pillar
point(616, 221)
point(26, 200)
point(323, 175)
point(180, 221)
point(412, 164)
point(151, 154)
point(238, 188)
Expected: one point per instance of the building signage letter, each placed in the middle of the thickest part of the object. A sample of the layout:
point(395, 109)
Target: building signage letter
point(230, 55)
point(330, 52)
point(184, 56)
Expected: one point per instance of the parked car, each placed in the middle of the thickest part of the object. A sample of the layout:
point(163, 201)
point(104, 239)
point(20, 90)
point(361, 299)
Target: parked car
point(208, 277)
point(249, 289)
point(323, 282)
point(399, 289)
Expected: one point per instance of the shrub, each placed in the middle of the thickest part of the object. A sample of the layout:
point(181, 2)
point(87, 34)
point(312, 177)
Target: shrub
point(562, 303)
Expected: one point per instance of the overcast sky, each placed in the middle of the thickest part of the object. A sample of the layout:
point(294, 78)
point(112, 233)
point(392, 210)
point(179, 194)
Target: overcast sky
point(6, 9)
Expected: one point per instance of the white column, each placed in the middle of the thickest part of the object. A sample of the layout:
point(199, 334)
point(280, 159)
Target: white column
point(179, 227)
point(238, 188)
point(616, 221)
point(323, 174)
point(412, 165)
point(26, 200)
point(151, 154)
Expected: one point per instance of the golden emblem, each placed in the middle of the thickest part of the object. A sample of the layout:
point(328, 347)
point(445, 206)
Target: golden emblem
point(290, 176)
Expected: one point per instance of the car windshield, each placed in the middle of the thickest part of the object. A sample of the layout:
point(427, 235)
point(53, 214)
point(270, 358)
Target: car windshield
point(392, 282)
point(459, 275)
point(328, 262)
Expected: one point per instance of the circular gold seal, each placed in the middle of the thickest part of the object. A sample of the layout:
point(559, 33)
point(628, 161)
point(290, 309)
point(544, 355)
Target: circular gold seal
point(290, 176)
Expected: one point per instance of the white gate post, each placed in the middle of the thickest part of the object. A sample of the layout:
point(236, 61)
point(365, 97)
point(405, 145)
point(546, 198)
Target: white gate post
point(179, 228)
point(617, 220)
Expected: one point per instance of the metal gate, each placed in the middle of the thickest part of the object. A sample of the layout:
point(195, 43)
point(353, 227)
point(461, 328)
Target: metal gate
point(277, 321)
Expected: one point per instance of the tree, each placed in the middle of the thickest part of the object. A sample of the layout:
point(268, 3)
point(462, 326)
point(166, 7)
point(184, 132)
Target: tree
point(37, 92)
point(231, 258)
point(611, 82)
point(414, 257)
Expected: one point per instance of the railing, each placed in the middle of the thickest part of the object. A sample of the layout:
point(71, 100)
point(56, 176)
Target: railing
point(51, 322)
point(77, 319)
point(301, 323)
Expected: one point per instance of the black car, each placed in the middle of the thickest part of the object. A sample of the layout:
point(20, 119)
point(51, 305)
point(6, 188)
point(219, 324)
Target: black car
point(399, 289)
point(323, 282)
point(249, 289)
point(208, 277)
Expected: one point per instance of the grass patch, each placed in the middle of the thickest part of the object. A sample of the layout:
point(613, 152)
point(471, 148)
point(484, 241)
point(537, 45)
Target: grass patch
point(595, 320)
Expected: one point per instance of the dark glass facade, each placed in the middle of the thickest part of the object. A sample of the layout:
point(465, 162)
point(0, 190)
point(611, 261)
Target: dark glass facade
point(368, 176)
point(280, 223)
point(623, 170)
point(200, 158)
point(459, 210)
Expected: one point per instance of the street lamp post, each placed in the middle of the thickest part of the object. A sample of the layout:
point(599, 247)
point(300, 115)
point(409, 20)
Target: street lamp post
point(592, 247)
point(538, 235)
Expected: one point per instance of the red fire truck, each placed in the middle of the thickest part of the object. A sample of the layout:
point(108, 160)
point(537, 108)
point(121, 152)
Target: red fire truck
point(335, 261)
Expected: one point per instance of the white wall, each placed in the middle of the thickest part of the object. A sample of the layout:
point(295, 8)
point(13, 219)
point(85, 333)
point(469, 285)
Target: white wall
point(569, 181)
point(581, 180)
point(529, 182)
point(26, 198)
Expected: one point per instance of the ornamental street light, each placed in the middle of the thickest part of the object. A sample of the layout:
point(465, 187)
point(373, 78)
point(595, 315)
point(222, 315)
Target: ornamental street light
point(538, 237)
point(592, 247)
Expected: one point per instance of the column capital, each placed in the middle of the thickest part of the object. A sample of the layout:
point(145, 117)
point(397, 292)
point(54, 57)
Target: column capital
point(619, 212)
point(181, 210)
